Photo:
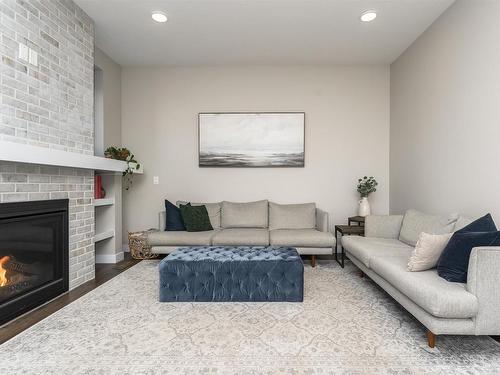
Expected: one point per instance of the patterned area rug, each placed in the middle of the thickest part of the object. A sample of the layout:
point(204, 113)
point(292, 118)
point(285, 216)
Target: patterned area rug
point(346, 325)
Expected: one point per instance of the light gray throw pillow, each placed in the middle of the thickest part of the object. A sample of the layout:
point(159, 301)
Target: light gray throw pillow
point(292, 216)
point(427, 251)
point(213, 210)
point(416, 222)
point(244, 215)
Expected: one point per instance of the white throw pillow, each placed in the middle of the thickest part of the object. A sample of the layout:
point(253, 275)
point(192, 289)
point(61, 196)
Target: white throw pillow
point(427, 251)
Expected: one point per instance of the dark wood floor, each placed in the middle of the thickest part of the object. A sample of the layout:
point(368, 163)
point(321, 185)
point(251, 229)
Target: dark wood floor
point(103, 273)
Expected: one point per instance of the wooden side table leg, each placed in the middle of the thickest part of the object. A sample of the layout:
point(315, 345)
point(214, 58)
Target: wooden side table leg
point(313, 261)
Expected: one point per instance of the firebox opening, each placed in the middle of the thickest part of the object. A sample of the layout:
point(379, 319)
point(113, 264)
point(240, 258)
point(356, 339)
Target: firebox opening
point(33, 254)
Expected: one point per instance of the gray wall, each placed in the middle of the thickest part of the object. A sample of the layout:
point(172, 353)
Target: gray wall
point(347, 135)
point(50, 105)
point(445, 115)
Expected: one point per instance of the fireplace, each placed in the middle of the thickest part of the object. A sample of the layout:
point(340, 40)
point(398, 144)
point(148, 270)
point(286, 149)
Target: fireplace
point(33, 254)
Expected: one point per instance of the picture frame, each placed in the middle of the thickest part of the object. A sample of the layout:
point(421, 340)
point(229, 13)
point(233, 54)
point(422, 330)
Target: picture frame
point(251, 139)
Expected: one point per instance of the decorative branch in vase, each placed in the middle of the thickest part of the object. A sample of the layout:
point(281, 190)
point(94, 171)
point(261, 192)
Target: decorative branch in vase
point(366, 186)
point(124, 154)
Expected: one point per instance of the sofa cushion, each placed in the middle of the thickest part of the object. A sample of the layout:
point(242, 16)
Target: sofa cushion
point(195, 218)
point(242, 237)
point(213, 210)
point(435, 295)
point(427, 251)
point(462, 222)
point(365, 248)
point(483, 224)
point(301, 238)
point(453, 265)
point(178, 238)
point(383, 226)
point(415, 222)
point(244, 215)
point(292, 216)
point(173, 217)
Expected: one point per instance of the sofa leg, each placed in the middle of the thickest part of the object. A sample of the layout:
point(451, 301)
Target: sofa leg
point(361, 274)
point(431, 339)
point(313, 260)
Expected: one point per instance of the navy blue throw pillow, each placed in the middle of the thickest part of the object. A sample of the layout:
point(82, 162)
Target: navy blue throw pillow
point(454, 261)
point(483, 224)
point(174, 218)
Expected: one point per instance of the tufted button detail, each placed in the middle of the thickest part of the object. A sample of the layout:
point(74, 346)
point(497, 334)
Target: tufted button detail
point(260, 273)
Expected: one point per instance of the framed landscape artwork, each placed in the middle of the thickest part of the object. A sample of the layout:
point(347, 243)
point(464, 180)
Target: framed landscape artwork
point(251, 139)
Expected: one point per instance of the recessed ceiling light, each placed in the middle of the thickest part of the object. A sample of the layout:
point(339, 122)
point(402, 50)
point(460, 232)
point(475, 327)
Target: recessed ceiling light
point(368, 16)
point(159, 16)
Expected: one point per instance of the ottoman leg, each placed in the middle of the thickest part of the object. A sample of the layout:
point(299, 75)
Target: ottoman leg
point(313, 260)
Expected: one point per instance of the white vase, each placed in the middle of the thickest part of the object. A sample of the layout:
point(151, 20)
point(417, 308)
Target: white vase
point(364, 207)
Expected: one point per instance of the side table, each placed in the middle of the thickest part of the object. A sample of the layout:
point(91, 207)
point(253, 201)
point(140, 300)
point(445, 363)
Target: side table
point(345, 230)
point(360, 220)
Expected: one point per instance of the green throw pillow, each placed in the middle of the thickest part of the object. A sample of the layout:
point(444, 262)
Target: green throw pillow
point(195, 218)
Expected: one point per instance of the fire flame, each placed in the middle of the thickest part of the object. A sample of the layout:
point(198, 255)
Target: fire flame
point(3, 271)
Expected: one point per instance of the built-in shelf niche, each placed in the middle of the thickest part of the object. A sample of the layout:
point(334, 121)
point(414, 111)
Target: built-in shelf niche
point(108, 248)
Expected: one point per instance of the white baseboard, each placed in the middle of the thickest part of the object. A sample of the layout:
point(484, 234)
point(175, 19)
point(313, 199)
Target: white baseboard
point(109, 258)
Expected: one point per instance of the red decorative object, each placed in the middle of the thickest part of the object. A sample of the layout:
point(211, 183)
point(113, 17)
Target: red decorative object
point(97, 187)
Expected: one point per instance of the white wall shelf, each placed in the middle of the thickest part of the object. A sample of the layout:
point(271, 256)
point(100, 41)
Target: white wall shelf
point(22, 153)
point(140, 170)
point(104, 235)
point(104, 202)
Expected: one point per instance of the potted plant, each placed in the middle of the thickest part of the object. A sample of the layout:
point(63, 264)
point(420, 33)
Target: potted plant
point(366, 186)
point(124, 154)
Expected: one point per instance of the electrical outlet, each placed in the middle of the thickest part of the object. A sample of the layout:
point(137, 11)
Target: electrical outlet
point(156, 180)
point(33, 57)
point(23, 52)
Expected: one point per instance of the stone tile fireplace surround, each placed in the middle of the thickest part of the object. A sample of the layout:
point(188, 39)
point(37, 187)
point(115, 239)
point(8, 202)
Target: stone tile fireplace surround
point(25, 182)
point(50, 105)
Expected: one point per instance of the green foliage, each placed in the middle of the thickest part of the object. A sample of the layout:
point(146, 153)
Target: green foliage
point(367, 185)
point(124, 154)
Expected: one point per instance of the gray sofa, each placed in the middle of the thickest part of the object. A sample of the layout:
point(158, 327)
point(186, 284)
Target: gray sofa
point(442, 307)
point(260, 223)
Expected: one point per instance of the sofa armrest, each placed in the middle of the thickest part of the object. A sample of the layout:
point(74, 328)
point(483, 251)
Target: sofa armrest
point(162, 220)
point(383, 226)
point(483, 281)
point(322, 220)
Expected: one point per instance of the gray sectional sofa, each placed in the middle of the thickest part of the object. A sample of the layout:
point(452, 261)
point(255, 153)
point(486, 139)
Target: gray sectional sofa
point(442, 307)
point(260, 223)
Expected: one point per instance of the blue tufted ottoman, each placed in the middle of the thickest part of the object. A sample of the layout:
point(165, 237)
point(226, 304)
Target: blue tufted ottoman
point(232, 274)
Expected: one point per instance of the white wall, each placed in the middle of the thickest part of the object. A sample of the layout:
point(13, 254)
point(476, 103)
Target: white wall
point(111, 72)
point(445, 115)
point(111, 135)
point(347, 135)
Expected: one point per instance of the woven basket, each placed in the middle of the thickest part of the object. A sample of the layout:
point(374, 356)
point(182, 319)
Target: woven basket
point(139, 248)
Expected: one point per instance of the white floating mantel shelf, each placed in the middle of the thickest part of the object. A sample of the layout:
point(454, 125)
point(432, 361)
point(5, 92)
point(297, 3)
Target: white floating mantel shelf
point(22, 153)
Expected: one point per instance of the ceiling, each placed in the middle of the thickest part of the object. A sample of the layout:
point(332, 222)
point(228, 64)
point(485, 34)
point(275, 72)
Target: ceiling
point(212, 32)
